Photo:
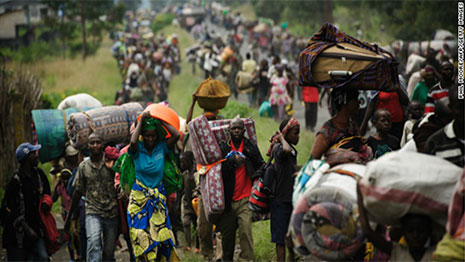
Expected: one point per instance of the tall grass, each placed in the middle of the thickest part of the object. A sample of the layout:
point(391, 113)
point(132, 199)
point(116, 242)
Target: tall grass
point(98, 75)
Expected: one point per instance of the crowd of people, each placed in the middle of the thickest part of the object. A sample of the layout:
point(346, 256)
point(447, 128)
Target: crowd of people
point(98, 203)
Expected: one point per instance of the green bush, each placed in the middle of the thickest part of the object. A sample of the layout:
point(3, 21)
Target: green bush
point(34, 52)
point(50, 100)
point(234, 108)
point(161, 21)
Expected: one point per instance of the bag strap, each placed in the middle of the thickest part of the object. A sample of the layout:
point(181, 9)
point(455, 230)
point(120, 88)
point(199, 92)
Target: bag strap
point(269, 160)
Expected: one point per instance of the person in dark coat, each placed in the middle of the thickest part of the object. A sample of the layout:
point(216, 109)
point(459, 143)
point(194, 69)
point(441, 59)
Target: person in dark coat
point(243, 159)
point(23, 232)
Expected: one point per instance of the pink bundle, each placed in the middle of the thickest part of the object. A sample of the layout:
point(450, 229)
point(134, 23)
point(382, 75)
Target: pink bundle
point(220, 129)
point(204, 145)
point(212, 190)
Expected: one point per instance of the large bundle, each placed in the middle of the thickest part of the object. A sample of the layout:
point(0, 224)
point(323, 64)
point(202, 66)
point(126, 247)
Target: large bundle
point(324, 222)
point(220, 129)
point(112, 122)
point(204, 145)
point(407, 182)
point(244, 81)
point(212, 190)
point(50, 126)
point(333, 59)
point(79, 101)
point(413, 63)
point(308, 177)
point(212, 94)
point(207, 152)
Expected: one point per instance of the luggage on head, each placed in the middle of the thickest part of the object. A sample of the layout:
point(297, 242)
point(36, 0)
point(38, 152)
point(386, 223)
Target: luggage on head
point(112, 122)
point(333, 59)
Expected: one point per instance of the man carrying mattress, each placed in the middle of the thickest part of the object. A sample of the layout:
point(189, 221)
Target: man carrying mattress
point(243, 159)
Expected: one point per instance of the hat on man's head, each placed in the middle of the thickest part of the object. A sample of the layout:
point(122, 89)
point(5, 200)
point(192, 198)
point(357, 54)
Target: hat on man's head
point(71, 151)
point(24, 149)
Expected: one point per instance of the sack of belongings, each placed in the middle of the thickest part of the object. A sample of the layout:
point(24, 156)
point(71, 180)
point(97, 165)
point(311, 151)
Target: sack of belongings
point(112, 122)
point(408, 182)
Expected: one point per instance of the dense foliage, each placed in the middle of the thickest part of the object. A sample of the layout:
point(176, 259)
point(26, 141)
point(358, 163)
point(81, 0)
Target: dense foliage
point(403, 19)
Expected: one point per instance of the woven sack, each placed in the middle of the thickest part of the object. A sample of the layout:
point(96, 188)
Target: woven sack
point(212, 94)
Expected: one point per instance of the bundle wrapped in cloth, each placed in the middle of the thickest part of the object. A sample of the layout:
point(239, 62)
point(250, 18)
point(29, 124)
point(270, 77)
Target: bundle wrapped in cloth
point(80, 101)
point(212, 94)
point(50, 127)
point(208, 155)
point(204, 145)
point(324, 222)
point(112, 122)
point(212, 190)
point(408, 182)
point(220, 129)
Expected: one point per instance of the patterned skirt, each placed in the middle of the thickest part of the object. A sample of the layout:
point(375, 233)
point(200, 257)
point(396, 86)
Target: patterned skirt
point(149, 225)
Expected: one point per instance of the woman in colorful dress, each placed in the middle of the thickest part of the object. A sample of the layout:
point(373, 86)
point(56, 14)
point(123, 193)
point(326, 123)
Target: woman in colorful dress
point(150, 228)
point(279, 96)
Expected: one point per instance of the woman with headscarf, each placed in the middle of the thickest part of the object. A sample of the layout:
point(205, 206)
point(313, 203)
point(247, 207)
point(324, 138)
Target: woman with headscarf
point(150, 226)
point(344, 104)
point(285, 165)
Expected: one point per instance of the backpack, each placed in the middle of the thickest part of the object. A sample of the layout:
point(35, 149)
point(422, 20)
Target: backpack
point(259, 198)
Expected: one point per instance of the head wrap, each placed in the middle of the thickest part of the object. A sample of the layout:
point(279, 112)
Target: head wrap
point(111, 153)
point(210, 114)
point(154, 124)
point(274, 140)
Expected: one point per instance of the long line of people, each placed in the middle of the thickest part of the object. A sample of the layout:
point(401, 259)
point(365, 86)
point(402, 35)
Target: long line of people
point(149, 213)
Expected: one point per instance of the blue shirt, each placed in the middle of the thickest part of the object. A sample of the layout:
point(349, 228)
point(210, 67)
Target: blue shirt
point(150, 168)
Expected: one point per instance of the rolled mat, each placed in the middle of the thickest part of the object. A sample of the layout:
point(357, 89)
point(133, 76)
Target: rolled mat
point(212, 190)
point(204, 145)
point(50, 125)
point(112, 122)
point(220, 129)
point(324, 222)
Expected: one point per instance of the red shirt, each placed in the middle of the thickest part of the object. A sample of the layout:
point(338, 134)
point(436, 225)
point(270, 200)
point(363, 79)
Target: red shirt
point(243, 184)
point(310, 94)
point(390, 102)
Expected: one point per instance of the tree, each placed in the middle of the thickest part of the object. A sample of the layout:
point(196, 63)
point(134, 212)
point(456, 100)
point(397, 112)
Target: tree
point(85, 12)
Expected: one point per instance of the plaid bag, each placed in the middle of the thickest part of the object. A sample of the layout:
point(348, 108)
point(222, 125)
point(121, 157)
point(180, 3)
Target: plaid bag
point(333, 59)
